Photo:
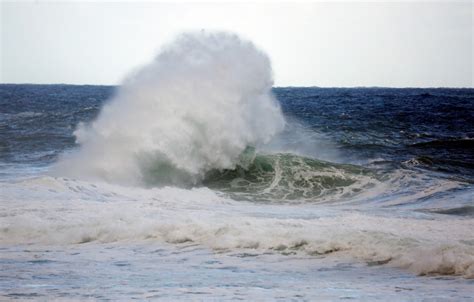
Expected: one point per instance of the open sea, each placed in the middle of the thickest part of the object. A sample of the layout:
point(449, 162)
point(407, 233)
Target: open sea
point(363, 193)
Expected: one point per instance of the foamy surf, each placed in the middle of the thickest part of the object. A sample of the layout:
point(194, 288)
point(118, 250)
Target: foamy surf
point(64, 211)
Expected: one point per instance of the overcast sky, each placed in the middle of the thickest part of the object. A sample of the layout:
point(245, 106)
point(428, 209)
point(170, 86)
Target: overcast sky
point(410, 44)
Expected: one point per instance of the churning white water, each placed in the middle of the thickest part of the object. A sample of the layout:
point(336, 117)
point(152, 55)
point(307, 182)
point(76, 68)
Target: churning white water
point(203, 100)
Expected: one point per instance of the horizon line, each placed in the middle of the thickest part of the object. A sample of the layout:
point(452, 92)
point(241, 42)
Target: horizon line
point(322, 87)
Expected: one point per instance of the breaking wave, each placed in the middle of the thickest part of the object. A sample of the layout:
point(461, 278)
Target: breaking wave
point(288, 177)
point(203, 100)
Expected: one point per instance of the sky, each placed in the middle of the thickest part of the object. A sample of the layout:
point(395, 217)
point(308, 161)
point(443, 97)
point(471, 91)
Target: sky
point(326, 44)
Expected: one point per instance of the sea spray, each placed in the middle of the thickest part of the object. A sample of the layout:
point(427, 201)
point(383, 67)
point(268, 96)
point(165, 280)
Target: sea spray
point(204, 99)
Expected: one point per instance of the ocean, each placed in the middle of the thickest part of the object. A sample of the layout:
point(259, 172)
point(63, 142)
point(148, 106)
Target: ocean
point(364, 193)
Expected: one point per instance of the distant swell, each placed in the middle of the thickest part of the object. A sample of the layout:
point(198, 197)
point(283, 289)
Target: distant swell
point(448, 144)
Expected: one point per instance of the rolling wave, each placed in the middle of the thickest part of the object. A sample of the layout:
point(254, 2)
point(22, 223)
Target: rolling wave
point(289, 177)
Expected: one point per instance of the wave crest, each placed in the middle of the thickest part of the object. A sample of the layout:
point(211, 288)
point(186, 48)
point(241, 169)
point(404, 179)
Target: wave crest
point(195, 108)
point(287, 177)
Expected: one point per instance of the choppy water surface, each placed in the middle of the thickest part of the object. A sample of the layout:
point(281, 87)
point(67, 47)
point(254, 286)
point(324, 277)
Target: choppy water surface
point(365, 194)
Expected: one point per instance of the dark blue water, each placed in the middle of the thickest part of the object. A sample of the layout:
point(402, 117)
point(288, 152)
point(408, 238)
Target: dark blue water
point(429, 128)
point(394, 202)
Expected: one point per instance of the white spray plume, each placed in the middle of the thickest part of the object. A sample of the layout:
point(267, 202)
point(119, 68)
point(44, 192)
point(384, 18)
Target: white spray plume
point(196, 107)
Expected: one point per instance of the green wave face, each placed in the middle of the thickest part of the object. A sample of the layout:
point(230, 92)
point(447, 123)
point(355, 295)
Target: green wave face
point(288, 177)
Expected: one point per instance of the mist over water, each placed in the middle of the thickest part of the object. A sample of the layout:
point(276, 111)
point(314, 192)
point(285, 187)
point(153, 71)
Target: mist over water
point(203, 100)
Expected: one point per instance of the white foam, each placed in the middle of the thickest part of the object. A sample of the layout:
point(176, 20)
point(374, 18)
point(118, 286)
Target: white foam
point(59, 211)
point(196, 107)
